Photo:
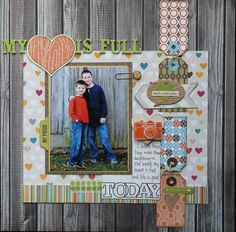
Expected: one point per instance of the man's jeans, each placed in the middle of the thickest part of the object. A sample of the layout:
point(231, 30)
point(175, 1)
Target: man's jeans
point(103, 134)
point(78, 145)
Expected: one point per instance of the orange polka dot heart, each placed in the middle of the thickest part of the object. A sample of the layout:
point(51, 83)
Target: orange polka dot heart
point(51, 55)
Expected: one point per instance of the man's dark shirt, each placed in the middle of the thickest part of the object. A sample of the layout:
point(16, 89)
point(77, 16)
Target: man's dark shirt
point(96, 103)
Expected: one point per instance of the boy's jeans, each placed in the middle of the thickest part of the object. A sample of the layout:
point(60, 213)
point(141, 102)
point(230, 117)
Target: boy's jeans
point(78, 145)
point(103, 134)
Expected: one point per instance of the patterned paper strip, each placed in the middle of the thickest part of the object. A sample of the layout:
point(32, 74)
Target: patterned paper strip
point(174, 27)
point(200, 196)
point(64, 194)
point(174, 144)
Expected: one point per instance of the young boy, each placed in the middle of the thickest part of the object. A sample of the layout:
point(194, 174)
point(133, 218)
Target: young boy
point(97, 109)
point(78, 112)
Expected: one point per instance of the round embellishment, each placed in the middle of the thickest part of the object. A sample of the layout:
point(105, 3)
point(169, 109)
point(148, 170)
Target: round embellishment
point(173, 66)
point(171, 181)
point(173, 47)
point(172, 162)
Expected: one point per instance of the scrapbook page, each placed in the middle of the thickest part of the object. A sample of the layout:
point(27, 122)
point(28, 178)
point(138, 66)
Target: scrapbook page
point(117, 125)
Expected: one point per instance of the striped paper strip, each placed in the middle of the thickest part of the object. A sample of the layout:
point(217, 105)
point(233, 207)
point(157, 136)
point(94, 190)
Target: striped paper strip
point(63, 194)
point(200, 195)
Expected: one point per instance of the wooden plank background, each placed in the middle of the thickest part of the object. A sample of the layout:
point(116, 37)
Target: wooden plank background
point(212, 28)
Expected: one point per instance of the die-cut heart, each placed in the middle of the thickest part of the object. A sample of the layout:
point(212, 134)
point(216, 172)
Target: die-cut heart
point(200, 167)
point(190, 112)
point(33, 140)
point(43, 176)
point(149, 111)
point(42, 102)
point(189, 150)
point(203, 65)
point(198, 112)
point(171, 200)
point(24, 102)
point(128, 56)
point(198, 54)
point(24, 64)
point(198, 150)
point(200, 93)
point(39, 92)
point(143, 65)
point(159, 54)
point(37, 73)
point(97, 54)
point(92, 176)
point(42, 83)
point(197, 130)
point(51, 55)
point(32, 121)
point(28, 166)
point(199, 74)
point(190, 74)
point(194, 177)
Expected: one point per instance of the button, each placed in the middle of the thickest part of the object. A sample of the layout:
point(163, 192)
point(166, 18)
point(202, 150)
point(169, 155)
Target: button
point(137, 75)
point(172, 162)
point(173, 47)
point(171, 181)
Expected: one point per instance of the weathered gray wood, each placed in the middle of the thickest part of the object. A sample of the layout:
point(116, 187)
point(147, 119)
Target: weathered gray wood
point(150, 42)
point(211, 38)
point(76, 24)
point(50, 23)
point(50, 17)
point(151, 17)
point(208, 26)
point(129, 25)
point(102, 217)
point(4, 73)
point(229, 118)
point(50, 217)
point(102, 25)
point(102, 21)
point(76, 217)
point(76, 18)
point(22, 25)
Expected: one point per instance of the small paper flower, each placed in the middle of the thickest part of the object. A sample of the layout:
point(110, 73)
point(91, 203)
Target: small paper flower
point(173, 47)
point(173, 66)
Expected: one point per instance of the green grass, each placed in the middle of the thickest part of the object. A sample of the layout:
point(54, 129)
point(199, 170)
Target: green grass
point(59, 156)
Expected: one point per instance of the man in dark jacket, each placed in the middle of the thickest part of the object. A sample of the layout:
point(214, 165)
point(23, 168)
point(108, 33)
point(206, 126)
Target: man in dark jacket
point(97, 109)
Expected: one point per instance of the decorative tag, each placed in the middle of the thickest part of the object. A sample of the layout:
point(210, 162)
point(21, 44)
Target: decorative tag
point(170, 210)
point(174, 27)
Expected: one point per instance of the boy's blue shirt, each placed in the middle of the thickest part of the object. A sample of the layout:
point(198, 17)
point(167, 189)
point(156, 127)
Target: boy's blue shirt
point(97, 105)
